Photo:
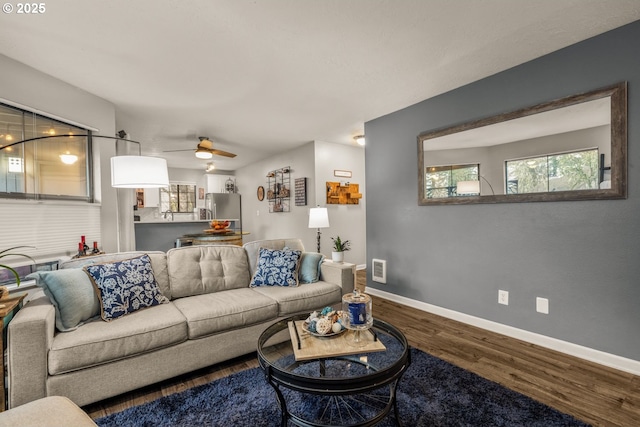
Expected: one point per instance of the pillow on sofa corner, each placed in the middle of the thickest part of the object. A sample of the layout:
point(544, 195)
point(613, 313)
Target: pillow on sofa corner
point(72, 295)
point(310, 263)
point(276, 268)
point(125, 286)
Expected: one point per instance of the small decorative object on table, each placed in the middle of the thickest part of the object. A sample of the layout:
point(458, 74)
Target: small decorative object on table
point(339, 248)
point(328, 322)
point(357, 307)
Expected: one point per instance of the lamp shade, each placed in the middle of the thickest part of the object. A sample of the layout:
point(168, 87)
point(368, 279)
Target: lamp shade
point(318, 218)
point(468, 187)
point(139, 172)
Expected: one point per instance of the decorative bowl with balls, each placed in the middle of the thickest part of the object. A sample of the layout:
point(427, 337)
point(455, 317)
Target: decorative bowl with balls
point(325, 323)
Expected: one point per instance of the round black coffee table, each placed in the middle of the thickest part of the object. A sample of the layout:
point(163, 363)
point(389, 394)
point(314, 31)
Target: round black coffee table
point(357, 389)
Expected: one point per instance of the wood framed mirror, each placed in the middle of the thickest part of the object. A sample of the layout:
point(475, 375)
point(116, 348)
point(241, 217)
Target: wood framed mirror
point(573, 148)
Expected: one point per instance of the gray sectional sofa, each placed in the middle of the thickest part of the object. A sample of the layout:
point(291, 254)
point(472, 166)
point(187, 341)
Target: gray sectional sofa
point(213, 315)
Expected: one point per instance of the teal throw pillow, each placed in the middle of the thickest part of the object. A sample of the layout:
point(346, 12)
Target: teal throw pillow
point(125, 286)
point(71, 294)
point(310, 267)
point(277, 268)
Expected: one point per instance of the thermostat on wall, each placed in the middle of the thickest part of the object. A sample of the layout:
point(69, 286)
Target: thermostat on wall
point(379, 270)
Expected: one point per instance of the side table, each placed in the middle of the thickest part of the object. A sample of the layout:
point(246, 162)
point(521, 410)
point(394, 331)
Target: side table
point(8, 308)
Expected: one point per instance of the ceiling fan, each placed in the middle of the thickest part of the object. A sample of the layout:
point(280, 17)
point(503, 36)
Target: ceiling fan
point(205, 150)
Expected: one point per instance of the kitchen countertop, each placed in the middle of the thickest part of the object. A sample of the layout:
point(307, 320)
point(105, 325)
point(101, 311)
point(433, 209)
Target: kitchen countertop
point(175, 221)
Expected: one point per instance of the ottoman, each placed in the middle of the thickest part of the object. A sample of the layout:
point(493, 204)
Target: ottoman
point(52, 411)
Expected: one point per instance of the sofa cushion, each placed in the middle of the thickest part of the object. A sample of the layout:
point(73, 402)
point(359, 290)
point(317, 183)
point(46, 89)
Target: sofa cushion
point(277, 268)
point(310, 263)
point(196, 270)
point(125, 286)
point(98, 342)
point(221, 311)
point(253, 249)
point(303, 298)
point(158, 262)
point(71, 294)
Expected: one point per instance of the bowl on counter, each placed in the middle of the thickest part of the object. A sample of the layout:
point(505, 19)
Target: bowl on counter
point(219, 227)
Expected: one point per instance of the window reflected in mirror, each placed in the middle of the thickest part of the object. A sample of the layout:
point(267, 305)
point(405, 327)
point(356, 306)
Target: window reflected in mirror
point(558, 172)
point(442, 181)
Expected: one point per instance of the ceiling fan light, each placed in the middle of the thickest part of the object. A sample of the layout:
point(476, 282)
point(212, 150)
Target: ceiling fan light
point(203, 154)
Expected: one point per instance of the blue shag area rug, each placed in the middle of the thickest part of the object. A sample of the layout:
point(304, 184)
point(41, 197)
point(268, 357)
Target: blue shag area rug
point(432, 392)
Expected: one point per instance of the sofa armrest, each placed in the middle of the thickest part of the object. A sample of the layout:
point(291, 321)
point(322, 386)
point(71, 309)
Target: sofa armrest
point(29, 338)
point(342, 274)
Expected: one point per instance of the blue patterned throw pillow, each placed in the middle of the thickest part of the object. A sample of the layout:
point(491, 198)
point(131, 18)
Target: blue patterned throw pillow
point(276, 268)
point(125, 286)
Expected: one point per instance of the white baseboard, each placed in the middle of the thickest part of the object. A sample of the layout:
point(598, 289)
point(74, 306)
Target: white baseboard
point(592, 355)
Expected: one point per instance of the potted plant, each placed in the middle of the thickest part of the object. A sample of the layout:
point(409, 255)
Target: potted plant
point(6, 253)
point(339, 248)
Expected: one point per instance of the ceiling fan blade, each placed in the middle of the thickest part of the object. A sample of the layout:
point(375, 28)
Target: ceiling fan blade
point(222, 153)
point(205, 145)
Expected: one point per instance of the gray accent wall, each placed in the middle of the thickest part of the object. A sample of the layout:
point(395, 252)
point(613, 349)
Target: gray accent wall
point(583, 256)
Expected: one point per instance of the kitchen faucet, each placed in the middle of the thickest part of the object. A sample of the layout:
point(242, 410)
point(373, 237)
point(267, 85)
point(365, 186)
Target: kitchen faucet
point(168, 212)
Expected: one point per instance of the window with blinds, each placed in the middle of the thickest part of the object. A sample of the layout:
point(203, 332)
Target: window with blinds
point(55, 164)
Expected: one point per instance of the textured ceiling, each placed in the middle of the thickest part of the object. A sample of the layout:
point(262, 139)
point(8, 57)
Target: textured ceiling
point(260, 77)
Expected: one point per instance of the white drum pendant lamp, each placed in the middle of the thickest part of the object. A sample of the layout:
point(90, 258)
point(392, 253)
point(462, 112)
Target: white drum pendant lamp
point(139, 172)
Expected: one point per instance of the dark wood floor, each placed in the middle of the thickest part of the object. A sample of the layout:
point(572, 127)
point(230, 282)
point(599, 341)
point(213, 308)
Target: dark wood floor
point(593, 393)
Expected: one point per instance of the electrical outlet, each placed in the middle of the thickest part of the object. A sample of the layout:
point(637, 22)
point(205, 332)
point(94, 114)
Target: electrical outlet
point(503, 297)
point(542, 305)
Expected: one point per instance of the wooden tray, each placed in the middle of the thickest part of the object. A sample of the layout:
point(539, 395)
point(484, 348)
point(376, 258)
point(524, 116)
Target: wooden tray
point(324, 347)
point(212, 231)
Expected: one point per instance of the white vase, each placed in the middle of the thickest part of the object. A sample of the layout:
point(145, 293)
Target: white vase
point(337, 256)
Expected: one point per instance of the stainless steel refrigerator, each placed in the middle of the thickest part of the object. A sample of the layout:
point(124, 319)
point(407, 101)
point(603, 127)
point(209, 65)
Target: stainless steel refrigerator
point(224, 206)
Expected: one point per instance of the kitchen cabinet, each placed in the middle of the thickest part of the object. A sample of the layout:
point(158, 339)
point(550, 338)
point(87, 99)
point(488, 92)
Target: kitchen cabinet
point(214, 184)
point(151, 197)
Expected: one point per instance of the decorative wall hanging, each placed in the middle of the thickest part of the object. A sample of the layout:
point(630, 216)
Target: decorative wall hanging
point(301, 191)
point(342, 174)
point(343, 193)
point(279, 189)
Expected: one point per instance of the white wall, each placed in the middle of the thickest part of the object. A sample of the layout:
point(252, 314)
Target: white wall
point(347, 221)
point(316, 161)
point(27, 87)
point(256, 218)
